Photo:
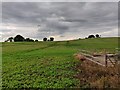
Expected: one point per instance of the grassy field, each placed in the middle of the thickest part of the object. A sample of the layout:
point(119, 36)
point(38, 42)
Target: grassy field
point(47, 64)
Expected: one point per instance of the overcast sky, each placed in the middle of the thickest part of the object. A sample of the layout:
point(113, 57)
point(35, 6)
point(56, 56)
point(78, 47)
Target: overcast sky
point(63, 21)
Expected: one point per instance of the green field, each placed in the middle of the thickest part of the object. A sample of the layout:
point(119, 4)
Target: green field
point(47, 64)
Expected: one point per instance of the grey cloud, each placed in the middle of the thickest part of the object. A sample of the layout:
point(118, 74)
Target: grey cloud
point(4, 30)
point(75, 20)
point(60, 18)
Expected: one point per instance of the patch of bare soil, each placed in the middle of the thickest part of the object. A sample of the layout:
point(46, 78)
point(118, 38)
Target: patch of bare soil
point(92, 75)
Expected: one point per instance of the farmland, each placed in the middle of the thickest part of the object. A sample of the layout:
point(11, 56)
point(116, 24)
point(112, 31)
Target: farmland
point(47, 64)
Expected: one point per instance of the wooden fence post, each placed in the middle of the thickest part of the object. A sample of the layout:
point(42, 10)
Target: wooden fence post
point(106, 60)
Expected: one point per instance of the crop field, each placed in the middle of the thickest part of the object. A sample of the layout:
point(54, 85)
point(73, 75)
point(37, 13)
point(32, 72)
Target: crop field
point(47, 64)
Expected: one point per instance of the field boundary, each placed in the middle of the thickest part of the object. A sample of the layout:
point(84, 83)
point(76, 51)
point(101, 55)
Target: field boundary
point(101, 59)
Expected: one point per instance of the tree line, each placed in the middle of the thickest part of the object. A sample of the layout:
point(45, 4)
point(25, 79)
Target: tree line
point(93, 36)
point(51, 39)
point(19, 38)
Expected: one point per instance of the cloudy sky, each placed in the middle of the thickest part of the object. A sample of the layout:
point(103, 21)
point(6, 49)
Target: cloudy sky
point(62, 20)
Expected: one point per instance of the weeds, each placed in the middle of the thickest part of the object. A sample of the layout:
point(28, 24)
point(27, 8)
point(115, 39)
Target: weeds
point(95, 76)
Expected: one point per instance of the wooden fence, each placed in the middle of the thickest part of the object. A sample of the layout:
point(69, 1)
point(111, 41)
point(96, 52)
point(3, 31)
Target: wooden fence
point(102, 59)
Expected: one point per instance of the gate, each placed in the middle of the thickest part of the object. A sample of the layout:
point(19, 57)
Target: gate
point(102, 59)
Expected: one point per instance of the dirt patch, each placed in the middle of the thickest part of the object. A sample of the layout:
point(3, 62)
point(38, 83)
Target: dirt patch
point(92, 75)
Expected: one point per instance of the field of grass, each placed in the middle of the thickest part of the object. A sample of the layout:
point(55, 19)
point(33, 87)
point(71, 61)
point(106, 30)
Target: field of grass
point(47, 64)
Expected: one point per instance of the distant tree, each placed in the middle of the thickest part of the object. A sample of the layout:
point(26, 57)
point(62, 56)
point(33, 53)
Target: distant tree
point(10, 39)
point(19, 38)
point(27, 39)
point(31, 40)
point(48, 40)
point(51, 39)
point(97, 36)
point(45, 39)
point(91, 36)
point(5, 40)
point(36, 40)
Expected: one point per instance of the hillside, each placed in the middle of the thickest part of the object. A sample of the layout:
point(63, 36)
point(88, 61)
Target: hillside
point(47, 64)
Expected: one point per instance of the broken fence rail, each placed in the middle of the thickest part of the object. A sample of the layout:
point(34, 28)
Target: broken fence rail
point(91, 58)
point(106, 57)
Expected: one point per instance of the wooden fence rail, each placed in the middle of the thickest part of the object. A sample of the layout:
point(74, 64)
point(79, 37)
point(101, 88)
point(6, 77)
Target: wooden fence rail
point(102, 59)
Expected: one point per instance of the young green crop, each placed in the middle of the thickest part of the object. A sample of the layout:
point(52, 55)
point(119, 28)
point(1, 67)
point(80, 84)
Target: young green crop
point(46, 64)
